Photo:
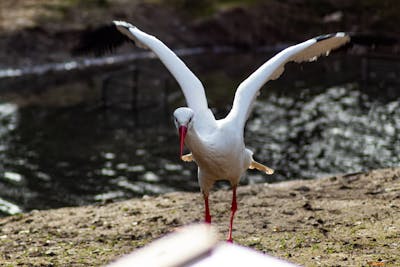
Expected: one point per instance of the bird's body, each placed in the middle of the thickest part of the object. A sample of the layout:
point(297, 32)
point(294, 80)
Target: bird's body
point(217, 146)
point(219, 152)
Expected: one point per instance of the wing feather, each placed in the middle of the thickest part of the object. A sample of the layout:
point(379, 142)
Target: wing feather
point(108, 37)
point(191, 86)
point(307, 51)
point(100, 40)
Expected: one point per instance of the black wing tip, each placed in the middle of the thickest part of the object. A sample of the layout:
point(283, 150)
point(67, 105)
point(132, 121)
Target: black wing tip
point(330, 35)
point(363, 39)
point(99, 41)
point(323, 37)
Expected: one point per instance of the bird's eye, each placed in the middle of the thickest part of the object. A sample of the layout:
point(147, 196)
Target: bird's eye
point(190, 119)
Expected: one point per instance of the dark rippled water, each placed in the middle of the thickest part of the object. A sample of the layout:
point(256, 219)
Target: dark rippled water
point(333, 116)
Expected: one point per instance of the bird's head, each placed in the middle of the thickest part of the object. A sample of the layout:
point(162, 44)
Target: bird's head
point(183, 119)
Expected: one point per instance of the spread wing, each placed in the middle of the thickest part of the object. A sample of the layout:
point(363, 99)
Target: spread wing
point(108, 37)
point(273, 68)
point(191, 86)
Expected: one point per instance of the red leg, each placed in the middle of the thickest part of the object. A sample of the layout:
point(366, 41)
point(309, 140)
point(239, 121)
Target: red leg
point(233, 210)
point(207, 217)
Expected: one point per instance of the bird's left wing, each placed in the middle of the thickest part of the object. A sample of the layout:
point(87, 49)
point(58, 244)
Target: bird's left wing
point(273, 68)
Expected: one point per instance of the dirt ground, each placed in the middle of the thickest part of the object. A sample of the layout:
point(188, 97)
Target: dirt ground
point(350, 220)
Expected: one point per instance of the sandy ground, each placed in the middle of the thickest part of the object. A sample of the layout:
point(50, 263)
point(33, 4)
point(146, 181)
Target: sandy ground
point(350, 220)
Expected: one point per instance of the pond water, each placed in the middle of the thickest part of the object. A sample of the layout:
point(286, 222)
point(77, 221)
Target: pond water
point(338, 115)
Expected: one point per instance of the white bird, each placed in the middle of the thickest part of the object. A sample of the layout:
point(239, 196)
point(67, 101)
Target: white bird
point(217, 146)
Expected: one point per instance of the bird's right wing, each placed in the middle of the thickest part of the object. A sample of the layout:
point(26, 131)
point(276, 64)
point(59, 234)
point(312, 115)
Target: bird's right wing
point(273, 68)
point(191, 86)
point(107, 37)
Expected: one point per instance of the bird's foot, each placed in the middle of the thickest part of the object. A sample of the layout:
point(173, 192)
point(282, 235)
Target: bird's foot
point(229, 240)
point(256, 165)
point(187, 157)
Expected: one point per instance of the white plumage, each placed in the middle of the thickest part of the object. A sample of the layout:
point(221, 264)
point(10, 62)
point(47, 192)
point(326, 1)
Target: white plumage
point(217, 146)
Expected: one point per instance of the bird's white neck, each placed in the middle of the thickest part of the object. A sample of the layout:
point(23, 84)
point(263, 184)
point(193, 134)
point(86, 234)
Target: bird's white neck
point(193, 139)
point(204, 122)
point(198, 136)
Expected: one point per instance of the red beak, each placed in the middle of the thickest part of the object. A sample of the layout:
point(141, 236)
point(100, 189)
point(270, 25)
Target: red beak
point(182, 134)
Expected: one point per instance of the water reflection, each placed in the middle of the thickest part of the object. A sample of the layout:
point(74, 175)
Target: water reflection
point(8, 178)
point(339, 130)
point(73, 156)
point(54, 157)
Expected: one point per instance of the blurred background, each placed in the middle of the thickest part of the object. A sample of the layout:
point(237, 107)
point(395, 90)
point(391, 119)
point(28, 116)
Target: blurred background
point(77, 128)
